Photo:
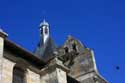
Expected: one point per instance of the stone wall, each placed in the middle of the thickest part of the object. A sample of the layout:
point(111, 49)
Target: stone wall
point(7, 69)
point(7, 73)
point(49, 77)
point(32, 77)
point(83, 64)
point(1, 56)
point(84, 68)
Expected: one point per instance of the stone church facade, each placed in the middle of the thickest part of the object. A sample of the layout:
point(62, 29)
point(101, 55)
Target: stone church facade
point(72, 62)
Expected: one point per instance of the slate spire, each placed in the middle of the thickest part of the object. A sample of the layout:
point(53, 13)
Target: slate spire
point(46, 47)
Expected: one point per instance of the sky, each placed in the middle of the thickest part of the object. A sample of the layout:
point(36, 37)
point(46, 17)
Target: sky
point(98, 24)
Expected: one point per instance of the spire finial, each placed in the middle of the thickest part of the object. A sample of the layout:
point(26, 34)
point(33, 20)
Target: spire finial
point(44, 23)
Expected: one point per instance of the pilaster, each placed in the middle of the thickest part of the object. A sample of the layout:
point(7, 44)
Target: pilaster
point(55, 72)
point(3, 35)
point(32, 77)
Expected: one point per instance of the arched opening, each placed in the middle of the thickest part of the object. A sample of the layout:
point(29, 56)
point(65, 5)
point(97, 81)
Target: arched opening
point(18, 75)
point(66, 50)
point(74, 47)
point(46, 30)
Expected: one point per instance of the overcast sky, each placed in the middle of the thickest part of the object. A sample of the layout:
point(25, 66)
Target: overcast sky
point(99, 24)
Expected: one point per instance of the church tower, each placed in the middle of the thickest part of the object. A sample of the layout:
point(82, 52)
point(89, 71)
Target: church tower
point(44, 32)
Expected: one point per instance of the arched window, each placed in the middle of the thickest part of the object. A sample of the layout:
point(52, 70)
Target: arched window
point(18, 75)
point(46, 30)
point(74, 47)
point(66, 49)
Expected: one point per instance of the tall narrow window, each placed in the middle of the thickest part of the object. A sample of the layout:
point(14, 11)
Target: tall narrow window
point(18, 75)
point(46, 30)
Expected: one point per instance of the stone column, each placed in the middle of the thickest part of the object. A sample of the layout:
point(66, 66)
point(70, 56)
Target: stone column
point(3, 35)
point(55, 72)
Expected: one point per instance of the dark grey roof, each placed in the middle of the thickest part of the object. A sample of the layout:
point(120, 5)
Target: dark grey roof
point(46, 51)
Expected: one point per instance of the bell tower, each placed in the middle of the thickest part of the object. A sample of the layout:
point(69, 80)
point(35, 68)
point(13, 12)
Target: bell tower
point(44, 31)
